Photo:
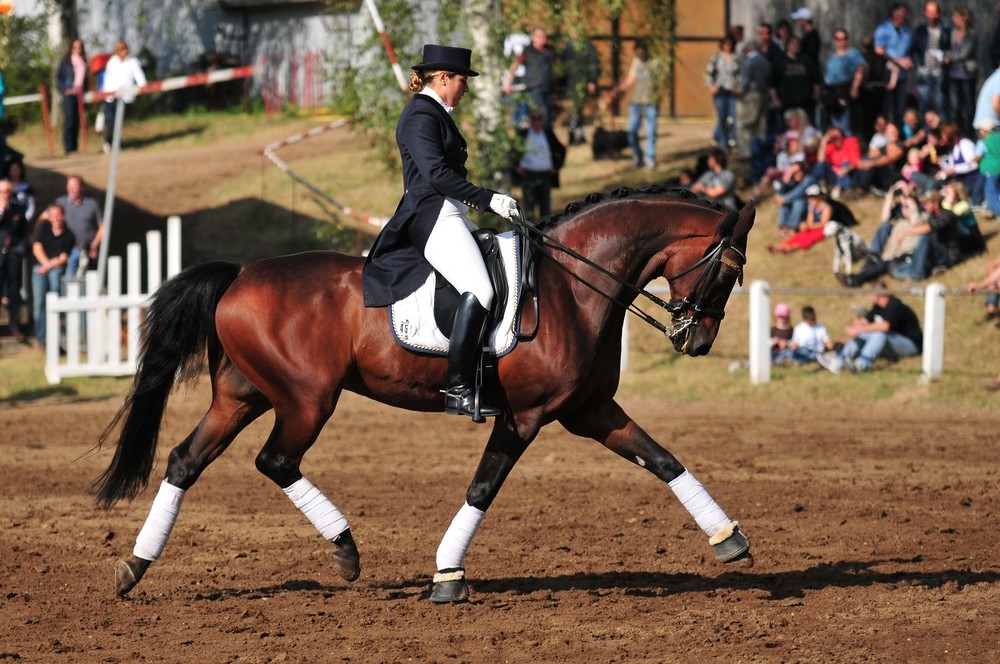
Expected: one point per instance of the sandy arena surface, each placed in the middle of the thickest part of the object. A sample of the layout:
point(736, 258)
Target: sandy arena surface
point(872, 538)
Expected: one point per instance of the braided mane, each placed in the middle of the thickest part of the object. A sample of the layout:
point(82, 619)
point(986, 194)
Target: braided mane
point(590, 200)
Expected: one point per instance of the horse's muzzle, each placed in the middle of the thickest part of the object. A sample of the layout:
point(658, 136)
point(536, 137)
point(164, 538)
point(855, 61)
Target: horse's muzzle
point(686, 338)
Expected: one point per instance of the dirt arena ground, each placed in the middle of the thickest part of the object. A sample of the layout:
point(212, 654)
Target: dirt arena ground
point(874, 538)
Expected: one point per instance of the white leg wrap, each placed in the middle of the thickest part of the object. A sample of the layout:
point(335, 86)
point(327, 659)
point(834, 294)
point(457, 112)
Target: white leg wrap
point(318, 509)
point(162, 517)
point(706, 512)
point(458, 538)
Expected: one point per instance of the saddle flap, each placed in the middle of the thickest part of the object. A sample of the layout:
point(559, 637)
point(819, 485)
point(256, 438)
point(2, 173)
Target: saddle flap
point(446, 296)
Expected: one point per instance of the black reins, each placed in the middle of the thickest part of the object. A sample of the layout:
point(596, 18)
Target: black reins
point(693, 302)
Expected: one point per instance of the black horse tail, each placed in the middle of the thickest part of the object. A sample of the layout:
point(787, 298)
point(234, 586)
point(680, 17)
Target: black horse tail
point(179, 326)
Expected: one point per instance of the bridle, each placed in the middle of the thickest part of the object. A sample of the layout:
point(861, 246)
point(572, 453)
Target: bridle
point(685, 314)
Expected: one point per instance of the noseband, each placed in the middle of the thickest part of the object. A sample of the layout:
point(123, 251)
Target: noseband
point(685, 314)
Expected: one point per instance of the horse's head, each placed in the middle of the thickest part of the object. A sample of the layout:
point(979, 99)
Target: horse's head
point(704, 281)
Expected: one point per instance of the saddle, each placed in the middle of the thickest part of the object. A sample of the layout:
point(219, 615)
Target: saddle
point(423, 321)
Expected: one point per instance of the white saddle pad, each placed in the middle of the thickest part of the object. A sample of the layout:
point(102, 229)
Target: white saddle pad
point(412, 318)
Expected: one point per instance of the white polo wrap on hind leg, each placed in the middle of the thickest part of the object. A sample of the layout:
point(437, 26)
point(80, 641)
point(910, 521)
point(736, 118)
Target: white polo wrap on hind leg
point(458, 538)
point(706, 512)
point(318, 509)
point(162, 517)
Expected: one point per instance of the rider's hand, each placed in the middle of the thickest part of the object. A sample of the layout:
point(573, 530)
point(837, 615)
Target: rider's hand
point(504, 205)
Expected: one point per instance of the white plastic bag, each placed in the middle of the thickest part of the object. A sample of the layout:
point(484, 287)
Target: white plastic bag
point(99, 122)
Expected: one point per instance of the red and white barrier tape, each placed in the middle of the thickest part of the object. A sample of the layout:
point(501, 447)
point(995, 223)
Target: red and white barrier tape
point(396, 69)
point(178, 82)
point(269, 152)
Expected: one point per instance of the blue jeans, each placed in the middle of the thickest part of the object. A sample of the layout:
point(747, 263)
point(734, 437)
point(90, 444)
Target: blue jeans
point(991, 189)
point(824, 171)
point(635, 113)
point(929, 96)
point(725, 114)
point(791, 214)
point(868, 346)
point(42, 284)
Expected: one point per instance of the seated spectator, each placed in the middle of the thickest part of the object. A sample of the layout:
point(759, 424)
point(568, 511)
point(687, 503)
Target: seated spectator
point(781, 331)
point(878, 140)
point(813, 228)
point(889, 329)
point(879, 169)
point(911, 132)
point(797, 121)
point(913, 171)
point(790, 151)
point(957, 161)
point(970, 237)
point(717, 183)
point(809, 339)
point(990, 282)
point(893, 245)
point(837, 157)
point(791, 198)
point(51, 246)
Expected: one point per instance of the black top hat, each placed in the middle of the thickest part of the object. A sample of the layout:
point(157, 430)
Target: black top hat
point(446, 58)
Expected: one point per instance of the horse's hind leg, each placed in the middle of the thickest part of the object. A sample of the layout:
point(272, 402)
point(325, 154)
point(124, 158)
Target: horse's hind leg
point(609, 425)
point(235, 404)
point(296, 427)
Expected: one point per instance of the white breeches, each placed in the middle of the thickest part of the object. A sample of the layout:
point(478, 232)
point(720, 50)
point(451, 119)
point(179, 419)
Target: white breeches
point(453, 252)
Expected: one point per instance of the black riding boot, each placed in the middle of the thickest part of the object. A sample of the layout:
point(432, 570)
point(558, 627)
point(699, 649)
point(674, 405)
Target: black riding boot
point(464, 351)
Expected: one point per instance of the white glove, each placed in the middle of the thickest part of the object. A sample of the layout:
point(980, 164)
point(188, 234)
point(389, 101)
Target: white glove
point(504, 205)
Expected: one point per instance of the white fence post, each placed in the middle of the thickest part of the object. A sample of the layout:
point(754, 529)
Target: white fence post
point(102, 313)
point(760, 333)
point(933, 357)
point(173, 246)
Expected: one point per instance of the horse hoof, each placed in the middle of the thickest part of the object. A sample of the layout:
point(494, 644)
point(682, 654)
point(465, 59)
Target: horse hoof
point(733, 545)
point(346, 560)
point(744, 560)
point(128, 572)
point(450, 587)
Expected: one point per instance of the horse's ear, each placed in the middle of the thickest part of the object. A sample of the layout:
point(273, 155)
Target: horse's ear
point(743, 226)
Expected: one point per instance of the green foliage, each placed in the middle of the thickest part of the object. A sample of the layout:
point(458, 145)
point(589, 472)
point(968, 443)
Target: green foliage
point(25, 61)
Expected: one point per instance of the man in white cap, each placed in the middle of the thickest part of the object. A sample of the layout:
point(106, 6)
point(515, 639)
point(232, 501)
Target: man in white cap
point(810, 35)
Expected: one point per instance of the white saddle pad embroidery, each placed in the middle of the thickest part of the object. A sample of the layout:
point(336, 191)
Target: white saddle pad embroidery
point(412, 318)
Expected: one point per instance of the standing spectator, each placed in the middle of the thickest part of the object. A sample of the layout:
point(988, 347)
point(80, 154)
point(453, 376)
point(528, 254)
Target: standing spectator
point(809, 338)
point(963, 70)
point(122, 73)
point(893, 39)
point(989, 165)
point(842, 76)
point(71, 79)
point(722, 76)
point(51, 246)
point(931, 41)
point(874, 88)
point(538, 61)
point(718, 182)
point(85, 221)
point(796, 79)
point(23, 193)
point(13, 244)
point(753, 96)
point(513, 82)
point(583, 70)
point(737, 33)
point(988, 101)
point(538, 168)
point(810, 35)
point(889, 329)
point(767, 46)
point(646, 83)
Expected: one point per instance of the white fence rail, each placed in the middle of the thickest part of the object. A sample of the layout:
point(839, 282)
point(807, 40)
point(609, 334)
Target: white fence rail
point(85, 334)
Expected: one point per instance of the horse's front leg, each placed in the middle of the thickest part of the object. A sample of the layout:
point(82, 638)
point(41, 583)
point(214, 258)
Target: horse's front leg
point(502, 452)
point(609, 425)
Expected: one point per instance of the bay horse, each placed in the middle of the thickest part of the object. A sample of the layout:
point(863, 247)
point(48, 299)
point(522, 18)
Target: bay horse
point(291, 333)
